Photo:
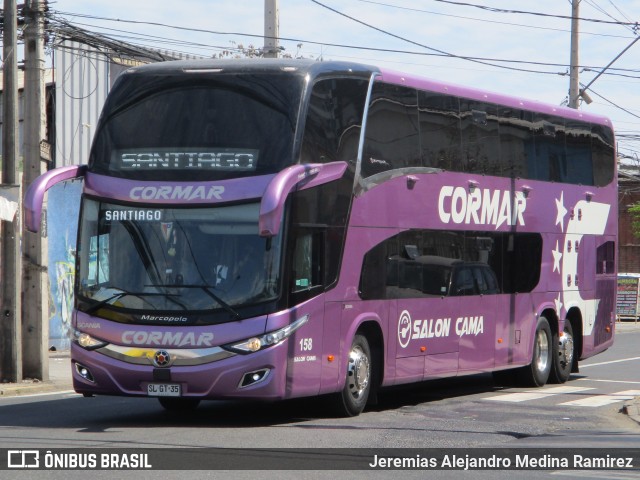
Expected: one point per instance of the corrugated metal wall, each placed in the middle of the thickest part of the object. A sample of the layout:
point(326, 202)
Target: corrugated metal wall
point(82, 84)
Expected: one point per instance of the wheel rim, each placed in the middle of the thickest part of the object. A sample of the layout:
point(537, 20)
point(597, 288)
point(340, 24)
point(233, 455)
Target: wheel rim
point(359, 372)
point(542, 346)
point(566, 349)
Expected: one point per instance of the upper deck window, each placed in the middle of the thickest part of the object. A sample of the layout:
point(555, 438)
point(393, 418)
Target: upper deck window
point(192, 127)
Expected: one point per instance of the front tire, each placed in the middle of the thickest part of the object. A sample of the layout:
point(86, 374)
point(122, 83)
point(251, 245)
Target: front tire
point(563, 355)
point(355, 393)
point(537, 372)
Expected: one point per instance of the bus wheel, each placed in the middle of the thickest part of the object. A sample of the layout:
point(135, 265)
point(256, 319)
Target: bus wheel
point(179, 404)
point(537, 373)
point(353, 397)
point(563, 355)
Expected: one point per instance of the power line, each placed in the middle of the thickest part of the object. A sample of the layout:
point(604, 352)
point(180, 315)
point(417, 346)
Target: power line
point(337, 45)
point(432, 52)
point(611, 103)
point(603, 11)
point(537, 14)
point(448, 54)
point(519, 25)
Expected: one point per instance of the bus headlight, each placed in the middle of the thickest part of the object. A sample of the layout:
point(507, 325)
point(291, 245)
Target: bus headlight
point(255, 344)
point(86, 341)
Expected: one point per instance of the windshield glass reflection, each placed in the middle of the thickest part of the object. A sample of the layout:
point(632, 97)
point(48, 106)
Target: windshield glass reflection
point(150, 258)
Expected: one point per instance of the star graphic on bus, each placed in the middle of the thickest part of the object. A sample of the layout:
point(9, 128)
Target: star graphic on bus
point(557, 255)
point(559, 305)
point(562, 211)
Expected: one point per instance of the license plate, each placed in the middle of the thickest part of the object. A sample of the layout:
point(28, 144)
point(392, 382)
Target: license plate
point(164, 390)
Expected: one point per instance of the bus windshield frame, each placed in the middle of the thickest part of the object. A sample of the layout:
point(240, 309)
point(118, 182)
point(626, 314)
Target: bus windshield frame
point(174, 262)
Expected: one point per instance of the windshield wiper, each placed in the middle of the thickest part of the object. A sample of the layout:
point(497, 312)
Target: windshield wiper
point(208, 289)
point(116, 296)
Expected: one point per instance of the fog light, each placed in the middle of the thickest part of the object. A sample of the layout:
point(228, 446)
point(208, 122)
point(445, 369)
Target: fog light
point(251, 378)
point(85, 373)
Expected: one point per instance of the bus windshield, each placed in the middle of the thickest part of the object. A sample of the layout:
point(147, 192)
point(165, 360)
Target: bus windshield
point(174, 259)
point(195, 127)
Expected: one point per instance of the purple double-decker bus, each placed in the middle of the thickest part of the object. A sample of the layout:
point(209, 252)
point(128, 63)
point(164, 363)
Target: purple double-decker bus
point(278, 229)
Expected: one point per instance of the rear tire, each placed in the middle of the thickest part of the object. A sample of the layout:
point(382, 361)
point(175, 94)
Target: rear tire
point(537, 372)
point(181, 404)
point(563, 355)
point(353, 398)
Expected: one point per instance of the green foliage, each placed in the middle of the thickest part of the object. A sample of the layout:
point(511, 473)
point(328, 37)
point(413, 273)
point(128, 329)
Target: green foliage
point(239, 50)
point(635, 216)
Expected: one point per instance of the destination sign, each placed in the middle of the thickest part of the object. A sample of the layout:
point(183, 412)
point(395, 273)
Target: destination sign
point(157, 159)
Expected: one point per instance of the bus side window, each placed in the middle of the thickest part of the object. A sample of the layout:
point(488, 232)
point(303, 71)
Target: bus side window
point(479, 280)
point(332, 126)
point(307, 269)
point(464, 282)
point(392, 137)
point(605, 258)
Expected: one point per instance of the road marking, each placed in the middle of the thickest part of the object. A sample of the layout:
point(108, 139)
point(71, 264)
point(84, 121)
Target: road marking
point(602, 400)
point(610, 362)
point(605, 381)
point(537, 394)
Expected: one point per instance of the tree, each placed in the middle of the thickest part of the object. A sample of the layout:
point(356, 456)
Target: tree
point(239, 50)
point(634, 210)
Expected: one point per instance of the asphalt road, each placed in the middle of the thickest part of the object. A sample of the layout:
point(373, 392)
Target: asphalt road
point(462, 413)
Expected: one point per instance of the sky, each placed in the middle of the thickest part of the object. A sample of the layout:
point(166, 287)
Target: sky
point(423, 37)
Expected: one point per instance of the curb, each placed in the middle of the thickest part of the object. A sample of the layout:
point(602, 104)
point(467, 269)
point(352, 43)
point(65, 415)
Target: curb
point(30, 387)
point(59, 379)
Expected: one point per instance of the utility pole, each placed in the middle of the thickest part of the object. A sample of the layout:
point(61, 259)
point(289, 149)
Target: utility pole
point(10, 265)
point(35, 322)
point(574, 84)
point(271, 28)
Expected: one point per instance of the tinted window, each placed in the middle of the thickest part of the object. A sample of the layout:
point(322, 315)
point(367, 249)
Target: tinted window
point(516, 145)
point(479, 280)
point(334, 117)
point(194, 127)
point(479, 138)
point(427, 263)
point(602, 147)
point(578, 146)
point(606, 258)
point(463, 282)
point(490, 279)
point(464, 135)
point(440, 131)
point(323, 209)
point(393, 135)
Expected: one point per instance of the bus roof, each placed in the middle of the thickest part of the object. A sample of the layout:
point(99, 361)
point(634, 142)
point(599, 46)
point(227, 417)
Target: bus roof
point(313, 68)
point(216, 66)
point(422, 83)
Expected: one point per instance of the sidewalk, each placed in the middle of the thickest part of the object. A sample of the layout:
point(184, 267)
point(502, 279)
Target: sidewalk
point(59, 379)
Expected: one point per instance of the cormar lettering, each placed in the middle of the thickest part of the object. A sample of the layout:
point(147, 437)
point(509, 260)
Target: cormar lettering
point(167, 339)
point(168, 192)
point(481, 206)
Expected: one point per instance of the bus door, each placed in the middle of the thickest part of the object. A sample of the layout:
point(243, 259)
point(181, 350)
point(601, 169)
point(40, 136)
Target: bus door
point(474, 316)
